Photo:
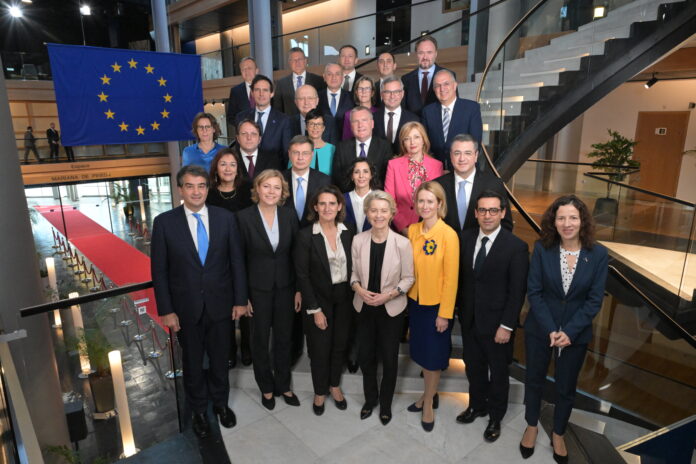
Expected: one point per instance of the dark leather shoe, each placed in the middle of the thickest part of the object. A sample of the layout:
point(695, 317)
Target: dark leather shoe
point(352, 367)
point(492, 432)
point(291, 400)
point(342, 405)
point(470, 415)
point(428, 426)
point(226, 415)
point(366, 411)
point(318, 410)
point(526, 452)
point(436, 404)
point(385, 416)
point(268, 403)
point(200, 425)
point(557, 457)
point(246, 358)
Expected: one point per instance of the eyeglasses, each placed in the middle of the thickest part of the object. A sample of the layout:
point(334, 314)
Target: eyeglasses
point(205, 128)
point(444, 85)
point(392, 92)
point(313, 125)
point(491, 211)
point(306, 154)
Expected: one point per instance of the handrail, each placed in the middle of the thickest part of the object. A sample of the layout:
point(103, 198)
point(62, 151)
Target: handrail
point(87, 298)
point(578, 163)
point(596, 175)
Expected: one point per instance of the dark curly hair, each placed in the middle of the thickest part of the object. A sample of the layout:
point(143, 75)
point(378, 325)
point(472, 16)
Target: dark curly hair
point(549, 233)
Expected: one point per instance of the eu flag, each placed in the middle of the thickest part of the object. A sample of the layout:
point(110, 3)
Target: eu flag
point(113, 96)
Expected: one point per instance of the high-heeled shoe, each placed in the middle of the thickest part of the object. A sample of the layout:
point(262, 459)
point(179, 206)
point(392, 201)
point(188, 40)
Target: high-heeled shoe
point(526, 452)
point(428, 426)
point(414, 408)
point(557, 457)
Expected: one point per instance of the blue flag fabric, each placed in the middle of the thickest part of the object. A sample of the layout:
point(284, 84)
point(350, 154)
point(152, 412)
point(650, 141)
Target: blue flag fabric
point(114, 96)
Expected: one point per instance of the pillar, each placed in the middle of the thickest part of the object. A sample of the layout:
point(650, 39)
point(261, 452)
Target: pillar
point(260, 35)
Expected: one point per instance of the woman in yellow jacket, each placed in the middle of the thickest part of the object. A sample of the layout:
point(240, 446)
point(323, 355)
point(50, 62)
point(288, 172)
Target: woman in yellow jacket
point(431, 298)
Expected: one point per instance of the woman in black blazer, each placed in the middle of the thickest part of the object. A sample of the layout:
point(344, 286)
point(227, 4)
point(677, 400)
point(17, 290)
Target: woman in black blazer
point(565, 289)
point(268, 234)
point(323, 265)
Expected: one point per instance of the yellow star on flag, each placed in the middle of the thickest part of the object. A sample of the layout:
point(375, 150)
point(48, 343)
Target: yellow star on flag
point(155, 125)
point(123, 126)
point(140, 130)
point(133, 64)
point(149, 69)
point(116, 66)
point(103, 97)
point(109, 114)
point(162, 82)
point(168, 98)
point(105, 80)
point(165, 114)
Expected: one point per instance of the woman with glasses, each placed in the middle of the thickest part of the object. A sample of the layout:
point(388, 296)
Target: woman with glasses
point(323, 151)
point(206, 130)
point(364, 95)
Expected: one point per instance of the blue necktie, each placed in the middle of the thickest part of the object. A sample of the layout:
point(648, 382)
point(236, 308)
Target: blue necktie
point(299, 82)
point(461, 203)
point(333, 104)
point(362, 150)
point(445, 121)
point(259, 121)
point(202, 237)
point(299, 199)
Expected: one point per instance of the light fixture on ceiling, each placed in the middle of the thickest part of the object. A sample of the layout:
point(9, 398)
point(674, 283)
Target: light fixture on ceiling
point(653, 80)
point(85, 10)
point(599, 11)
point(15, 11)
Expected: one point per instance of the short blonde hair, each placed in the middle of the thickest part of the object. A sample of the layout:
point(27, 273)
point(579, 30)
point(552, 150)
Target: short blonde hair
point(263, 177)
point(408, 127)
point(379, 195)
point(436, 189)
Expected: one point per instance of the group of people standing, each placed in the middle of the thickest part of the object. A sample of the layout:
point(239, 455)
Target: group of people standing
point(293, 238)
point(53, 138)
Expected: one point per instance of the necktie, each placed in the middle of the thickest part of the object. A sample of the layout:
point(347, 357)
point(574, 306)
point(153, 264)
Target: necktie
point(333, 104)
point(252, 168)
point(299, 199)
point(252, 102)
point(259, 121)
point(303, 125)
point(481, 256)
point(445, 121)
point(299, 82)
point(461, 203)
point(202, 237)
point(346, 83)
point(424, 87)
point(362, 150)
point(390, 127)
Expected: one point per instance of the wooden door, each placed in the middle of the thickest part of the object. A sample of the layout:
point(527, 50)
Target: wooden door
point(661, 136)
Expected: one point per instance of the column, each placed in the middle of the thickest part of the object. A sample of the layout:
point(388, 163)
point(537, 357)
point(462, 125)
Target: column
point(260, 35)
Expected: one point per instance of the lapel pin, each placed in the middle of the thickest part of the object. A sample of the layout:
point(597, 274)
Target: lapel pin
point(587, 260)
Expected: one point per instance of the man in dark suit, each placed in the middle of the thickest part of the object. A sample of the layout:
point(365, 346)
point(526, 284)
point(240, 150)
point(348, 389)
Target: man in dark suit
point(274, 125)
point(386, 65)
point(493, 278)
point(302, 180)
point(460, 208)
point(391, 116)
point(284, 98)
point(334, 100)
point(450, 116)
point(418, 84)
point(254, 160)
point(348, 58)
point(200, 284)
point(241, 98)
point(376, 149)
point(306, 99)
point(53, 141)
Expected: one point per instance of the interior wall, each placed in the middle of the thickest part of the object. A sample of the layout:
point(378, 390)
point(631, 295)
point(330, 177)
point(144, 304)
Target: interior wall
point(429, 16)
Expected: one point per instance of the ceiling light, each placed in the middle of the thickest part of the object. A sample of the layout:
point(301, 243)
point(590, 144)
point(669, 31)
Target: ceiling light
point(651, 82)
point(15, 11)
point(599, 12)
point(85, 10)
point(26, 1)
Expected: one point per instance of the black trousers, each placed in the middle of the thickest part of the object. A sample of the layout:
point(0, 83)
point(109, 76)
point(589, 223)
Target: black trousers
point(378, 337)
point(245, 341)
point(53, 147)
point(273, 316)
point(27, 149)
point(567, 369)
point(487, 371)
point(211, 338)
point(69, 153)
point(327, 348)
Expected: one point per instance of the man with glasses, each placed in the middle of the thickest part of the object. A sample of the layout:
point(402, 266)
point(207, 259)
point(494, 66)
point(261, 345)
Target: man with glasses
point(391, 116)
point(286, 88)
point(464, 183)
point(492, 282)
point(306, 99)
point(450, 116)
point(386, 65)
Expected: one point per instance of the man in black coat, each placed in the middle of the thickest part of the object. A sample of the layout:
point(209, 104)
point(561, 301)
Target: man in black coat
point(53, 141)
point(284, 98)
point(254, 160)
point(348, 58)
point(418, 84)
point(334, 100)
point(493, 278)
point(241, 98)
point(307, 99)
point(391, 113)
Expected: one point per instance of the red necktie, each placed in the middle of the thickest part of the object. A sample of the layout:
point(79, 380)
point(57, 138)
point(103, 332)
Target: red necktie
point(390, 127)
point(424, 87)
point(252, 168)
point(252, 103)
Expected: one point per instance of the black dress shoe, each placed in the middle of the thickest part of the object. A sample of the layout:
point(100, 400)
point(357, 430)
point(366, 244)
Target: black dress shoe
point(342, 405)
point(246, 359)
point(226, 415)
point(526, 452)
point(352, 367)
point(557, 457)
point(414, 408)
point(200, 425)
point(291, 400)
point(492, 432)
point(470, 415)
point(366, 411)
point(385, 416)
point(318, 410)
point(268, 403)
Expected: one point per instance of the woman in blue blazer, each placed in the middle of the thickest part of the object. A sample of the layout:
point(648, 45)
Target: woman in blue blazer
point(565, 289)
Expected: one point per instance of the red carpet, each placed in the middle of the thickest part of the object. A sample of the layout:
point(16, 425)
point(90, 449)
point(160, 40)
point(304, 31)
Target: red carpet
point(118, 260)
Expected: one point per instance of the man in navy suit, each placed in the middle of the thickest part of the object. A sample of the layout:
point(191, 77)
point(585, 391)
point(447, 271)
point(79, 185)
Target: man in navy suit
point(391, 116)
point(334, 100)
point(418, 84)
point(386, 65)
point(450, 116)
point(493, 282)
point(275, 126)
point(348, 58)
point(284, 98)
point(241, 98)
point(254, 160)
point(199, 279)
point(306, 99)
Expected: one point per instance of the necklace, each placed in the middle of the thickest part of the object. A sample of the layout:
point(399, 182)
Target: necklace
point(222, 194)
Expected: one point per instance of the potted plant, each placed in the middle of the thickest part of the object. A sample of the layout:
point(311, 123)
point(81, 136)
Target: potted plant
point(609, 155)
point(93, 343)
point(119, 194)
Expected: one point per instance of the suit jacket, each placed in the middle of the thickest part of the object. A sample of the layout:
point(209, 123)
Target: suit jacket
point(237, 102)
point(185, 286)
point(276, 134)
point(406, 116)
point(378, 154)
point(267, 268)
point(483, 180)
point(315, 179)
point(52, 136)
point(350, 215)
point(397, 269)
point(412, 97)
point(550, 309)
point(329, 136)
point(264, 160)
point(345, 104)
point(355, 81)
point(495, 295)
point(312, 266)
point(465, 119)
point(284, 95)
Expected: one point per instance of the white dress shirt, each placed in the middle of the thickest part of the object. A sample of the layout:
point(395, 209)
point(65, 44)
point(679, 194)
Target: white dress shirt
point(245, 158)
point(367, 147)
point(430, 71)
point(294, 177)
point(264, 118)
point(468, 187)
point(338, 97)
point(193, 223)
point(357, 202)
point(351, 79)
point(294, 79)
point(395, 121)
point(491, 238)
